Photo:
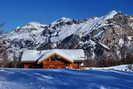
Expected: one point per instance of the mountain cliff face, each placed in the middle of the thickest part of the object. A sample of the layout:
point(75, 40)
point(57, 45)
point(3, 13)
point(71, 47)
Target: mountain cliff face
point(106, 37)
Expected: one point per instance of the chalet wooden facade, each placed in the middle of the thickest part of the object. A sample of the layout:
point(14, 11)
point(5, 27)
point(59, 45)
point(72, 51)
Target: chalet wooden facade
point(54, 58)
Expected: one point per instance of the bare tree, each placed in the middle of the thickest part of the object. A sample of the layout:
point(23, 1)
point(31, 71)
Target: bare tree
point(3, 55)
point(3, 50)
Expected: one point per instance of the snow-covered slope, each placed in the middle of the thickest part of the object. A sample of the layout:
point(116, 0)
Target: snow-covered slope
point(110, 15)
point(119, 67)
point(64, 79)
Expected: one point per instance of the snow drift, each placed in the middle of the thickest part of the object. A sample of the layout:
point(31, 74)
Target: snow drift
point(64, 79)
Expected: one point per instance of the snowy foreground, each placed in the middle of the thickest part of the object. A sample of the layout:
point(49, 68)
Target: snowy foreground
point(64, 79)
point(119, 68)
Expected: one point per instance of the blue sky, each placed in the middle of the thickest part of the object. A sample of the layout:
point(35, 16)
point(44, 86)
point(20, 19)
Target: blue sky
point(18, 12)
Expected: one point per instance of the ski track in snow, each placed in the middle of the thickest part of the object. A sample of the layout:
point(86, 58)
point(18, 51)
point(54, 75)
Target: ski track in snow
point(64, 79)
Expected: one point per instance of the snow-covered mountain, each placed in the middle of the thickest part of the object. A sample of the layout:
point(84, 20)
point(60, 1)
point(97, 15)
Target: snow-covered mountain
point(101, 37)
point(59, 29)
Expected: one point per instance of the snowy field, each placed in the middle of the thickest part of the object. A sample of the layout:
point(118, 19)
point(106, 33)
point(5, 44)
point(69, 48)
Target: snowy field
point(119, 68)
point(65, 79)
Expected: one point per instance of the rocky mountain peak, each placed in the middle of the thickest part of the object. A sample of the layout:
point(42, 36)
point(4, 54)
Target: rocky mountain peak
point(94, 35)
point(31, 26)
point(111, 14)
point(34, 25)
point(63, 19)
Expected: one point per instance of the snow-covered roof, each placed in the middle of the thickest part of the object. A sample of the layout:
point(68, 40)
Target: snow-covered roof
point(71, 54)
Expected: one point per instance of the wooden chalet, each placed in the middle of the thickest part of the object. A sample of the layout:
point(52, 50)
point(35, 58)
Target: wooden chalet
point(54, 58)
